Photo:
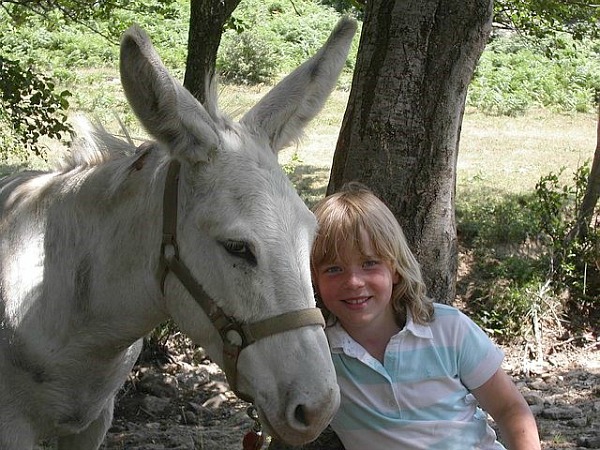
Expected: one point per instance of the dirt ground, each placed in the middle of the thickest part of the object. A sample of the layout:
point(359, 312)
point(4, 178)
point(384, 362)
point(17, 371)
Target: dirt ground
point(185, 404)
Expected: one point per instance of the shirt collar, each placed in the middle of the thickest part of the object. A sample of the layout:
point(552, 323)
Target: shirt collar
point(341, 341)
point(418, 330)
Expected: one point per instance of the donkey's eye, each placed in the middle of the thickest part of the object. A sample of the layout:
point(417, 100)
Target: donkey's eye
point(239, 249)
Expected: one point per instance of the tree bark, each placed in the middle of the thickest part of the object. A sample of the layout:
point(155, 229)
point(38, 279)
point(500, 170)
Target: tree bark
point(401, 130)
point(207, 18)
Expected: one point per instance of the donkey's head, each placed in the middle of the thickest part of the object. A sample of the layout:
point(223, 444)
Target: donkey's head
point(242, 231)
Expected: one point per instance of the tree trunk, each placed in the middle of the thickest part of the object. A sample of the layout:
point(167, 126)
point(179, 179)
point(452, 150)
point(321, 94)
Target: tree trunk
point(592, 193)
point(207, 18)
point(400, 133)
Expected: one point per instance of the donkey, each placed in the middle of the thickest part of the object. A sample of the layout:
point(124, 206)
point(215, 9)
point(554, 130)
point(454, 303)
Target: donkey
point(200, 225)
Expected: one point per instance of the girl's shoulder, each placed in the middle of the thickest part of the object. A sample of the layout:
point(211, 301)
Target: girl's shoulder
point(449, 317)
point(443, 310)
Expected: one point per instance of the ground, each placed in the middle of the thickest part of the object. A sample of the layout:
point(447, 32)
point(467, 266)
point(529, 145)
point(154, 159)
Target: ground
point(185, 404)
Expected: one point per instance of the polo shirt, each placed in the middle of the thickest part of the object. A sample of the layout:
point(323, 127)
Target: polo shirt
point(419, 398)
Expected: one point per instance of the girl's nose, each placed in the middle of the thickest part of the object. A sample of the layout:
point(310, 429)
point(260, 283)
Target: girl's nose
point(354, 279)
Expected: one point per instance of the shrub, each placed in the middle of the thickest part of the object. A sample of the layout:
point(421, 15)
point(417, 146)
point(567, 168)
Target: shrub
point(246, 58)
point(527, 269)
point(573, 262)
point(274, 38)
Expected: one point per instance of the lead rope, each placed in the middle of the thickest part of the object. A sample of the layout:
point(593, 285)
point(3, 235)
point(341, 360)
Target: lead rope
point(253, 439)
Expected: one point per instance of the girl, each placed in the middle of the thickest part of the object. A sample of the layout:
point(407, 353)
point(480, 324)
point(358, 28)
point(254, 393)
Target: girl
point(411, 372)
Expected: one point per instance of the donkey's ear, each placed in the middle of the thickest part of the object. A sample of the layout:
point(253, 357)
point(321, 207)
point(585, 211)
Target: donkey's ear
point(284, 112)
point(164, 107)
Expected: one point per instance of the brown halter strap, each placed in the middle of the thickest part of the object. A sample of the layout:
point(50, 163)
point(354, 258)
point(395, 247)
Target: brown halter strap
point(235, 335)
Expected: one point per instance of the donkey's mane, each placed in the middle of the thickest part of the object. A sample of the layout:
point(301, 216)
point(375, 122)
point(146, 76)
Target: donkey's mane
point(93, 145)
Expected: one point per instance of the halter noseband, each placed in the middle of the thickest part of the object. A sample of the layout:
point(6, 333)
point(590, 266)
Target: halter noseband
point(235, 335)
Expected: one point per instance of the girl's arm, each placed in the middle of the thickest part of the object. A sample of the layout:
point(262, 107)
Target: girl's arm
point(502, 400)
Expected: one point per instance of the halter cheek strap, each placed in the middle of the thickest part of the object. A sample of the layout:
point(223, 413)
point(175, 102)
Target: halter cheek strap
point(235, 335)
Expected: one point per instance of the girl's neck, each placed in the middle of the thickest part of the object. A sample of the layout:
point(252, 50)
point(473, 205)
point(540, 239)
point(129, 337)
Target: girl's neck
point(375, 338)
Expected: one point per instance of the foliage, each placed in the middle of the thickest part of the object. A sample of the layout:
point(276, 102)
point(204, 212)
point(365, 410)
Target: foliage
point(275, 37)
point(535, 18)
point(514, 75)
point(31, 106)
point(245, 57)
point(155, 346)
point(64, 34)
point(541, 18)
point(351, 7)
point(503, 221)
point(524, 266)
point(574, 264)
point(499, 230)
point(22, 12)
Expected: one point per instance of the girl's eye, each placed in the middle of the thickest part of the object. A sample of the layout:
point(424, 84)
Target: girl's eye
point(332, 269)
point(370, 263)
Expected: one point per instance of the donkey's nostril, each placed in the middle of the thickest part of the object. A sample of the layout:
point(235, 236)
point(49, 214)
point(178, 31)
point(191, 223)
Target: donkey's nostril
point(300, 415)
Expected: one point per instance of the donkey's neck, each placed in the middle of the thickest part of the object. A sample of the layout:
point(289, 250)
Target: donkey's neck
point(106, 259)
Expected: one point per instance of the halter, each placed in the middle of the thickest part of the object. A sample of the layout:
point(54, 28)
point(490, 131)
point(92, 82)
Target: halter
point(235, 335)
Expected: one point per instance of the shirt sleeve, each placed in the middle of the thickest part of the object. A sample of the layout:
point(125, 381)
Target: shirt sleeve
point(479, 358)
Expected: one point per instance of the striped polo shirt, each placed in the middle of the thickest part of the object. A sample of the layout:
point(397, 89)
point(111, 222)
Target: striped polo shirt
point(419, 398)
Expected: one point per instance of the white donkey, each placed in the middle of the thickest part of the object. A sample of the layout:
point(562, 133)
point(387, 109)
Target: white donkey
point(201, 226)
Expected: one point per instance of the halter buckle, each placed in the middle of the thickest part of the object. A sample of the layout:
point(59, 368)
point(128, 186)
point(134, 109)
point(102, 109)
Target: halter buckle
point(233, 334)
point(169, 248)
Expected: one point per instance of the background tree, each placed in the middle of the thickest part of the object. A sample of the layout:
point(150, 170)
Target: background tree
point(400, 133)
point(401, 130)
point(592, 192)
point(31, 106)
point(541, 18)
point(207, 19)
point(203, 41)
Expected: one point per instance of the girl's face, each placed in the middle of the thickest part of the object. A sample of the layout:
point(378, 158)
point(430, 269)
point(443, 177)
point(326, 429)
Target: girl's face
point(357, 289)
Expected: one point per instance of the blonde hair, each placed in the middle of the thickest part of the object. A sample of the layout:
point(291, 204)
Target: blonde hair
point(342, 217)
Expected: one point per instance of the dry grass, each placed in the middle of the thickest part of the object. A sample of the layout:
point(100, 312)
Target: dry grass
point(510, 154)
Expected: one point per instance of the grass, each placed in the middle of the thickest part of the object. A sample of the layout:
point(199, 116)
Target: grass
point(498, 156)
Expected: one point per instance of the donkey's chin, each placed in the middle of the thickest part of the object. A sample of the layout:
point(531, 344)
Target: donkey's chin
point(299, 425)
